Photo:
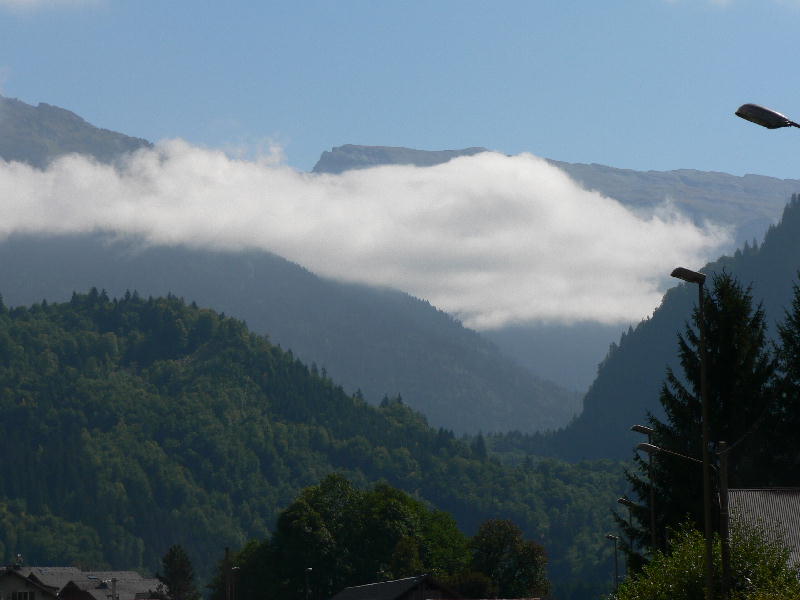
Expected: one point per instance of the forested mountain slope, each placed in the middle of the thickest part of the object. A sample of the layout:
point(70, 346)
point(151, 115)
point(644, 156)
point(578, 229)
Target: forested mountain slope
point(131, 425)
point(380, 341)
point(630, 377)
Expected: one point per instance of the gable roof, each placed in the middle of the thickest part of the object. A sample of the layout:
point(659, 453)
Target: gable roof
point(100, 588)
point(16, 572)
point(774, 510)
point(54, 577)
point(388, 590)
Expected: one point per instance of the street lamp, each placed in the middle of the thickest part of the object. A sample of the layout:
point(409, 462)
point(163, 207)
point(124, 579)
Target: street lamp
point(629, 504)
point(307, 573)
point(765, 117)
point(700, 278)
point(615, 539)
point(649, 431)
point(722, 483)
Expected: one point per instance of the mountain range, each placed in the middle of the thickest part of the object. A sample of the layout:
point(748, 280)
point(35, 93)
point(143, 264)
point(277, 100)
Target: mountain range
point(134, 423)
point(570, 353)
point(380, 342)
point(384, 342)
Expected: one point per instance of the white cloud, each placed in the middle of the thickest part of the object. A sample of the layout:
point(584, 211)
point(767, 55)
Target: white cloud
point(490, 238)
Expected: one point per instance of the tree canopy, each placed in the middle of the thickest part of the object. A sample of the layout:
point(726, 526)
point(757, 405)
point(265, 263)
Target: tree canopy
point(132, 424)
point(759, 569)
point(334, 536)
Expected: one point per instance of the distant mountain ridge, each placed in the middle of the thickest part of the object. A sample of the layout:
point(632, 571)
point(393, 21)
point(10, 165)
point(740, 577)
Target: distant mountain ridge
point(569, 354)
point(38, 134)
point(351, 156)
point(749, 204)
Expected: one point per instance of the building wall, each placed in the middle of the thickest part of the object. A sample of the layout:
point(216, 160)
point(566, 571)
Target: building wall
point(15, 587)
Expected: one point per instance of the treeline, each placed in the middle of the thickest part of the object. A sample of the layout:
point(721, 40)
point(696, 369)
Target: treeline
point(133, 424)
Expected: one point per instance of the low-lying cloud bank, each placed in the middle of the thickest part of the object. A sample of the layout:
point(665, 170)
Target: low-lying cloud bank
point(489, 238)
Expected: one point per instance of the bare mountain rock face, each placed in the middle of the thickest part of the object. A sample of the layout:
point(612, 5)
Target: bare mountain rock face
point(351, 156)
point(39, 134)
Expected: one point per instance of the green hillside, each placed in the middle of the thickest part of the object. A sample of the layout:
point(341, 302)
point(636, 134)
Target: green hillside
point(130, 425)
point(380, 341)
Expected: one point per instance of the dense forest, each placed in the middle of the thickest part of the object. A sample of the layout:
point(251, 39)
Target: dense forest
point(134, 424)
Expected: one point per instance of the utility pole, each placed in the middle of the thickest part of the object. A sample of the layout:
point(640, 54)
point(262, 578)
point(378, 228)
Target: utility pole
point(226, 568)
point(724, 519)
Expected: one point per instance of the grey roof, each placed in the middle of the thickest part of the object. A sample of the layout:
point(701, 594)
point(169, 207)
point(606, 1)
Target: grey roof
point(118, 575)
point(386, 590)
point(774, 510)
point(129, 583)
point(22, 574)
point(54, 577)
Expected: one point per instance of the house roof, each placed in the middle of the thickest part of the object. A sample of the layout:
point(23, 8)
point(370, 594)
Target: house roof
point(386, 590)
point(109, 575)
point(775, 510)
point(17, 572)
point(54, 577)
point(129, 585)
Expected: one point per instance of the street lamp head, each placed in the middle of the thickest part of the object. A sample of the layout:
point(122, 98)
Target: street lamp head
point(649, 448)
point(688, 275)
point(643, 429)
point(626, 502)
point(764, 116)
point(610, 536)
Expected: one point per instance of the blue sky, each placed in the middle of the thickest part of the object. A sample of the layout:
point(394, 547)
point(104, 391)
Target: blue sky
point(641, 84)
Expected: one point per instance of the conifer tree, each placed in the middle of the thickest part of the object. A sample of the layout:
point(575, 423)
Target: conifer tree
point(740, 370)
point(178, 577)
point(784, 419)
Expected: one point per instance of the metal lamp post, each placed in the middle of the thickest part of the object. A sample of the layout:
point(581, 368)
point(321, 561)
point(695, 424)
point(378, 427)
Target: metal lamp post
point(700, 278)
point(629, 504)
point(615, 539)
point(649, 431)
point(308, 590)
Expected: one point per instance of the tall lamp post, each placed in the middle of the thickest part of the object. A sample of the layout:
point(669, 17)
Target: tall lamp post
point(615, 539)
point(308, 589)
point(700, 278)
point(629, 504)
point(648, 431)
